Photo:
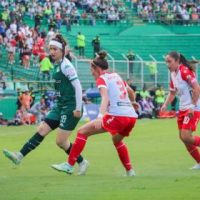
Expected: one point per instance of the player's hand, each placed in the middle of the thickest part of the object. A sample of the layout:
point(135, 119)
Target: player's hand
point(97, 123)
point(163, 108)
point(77, 113)
point(191, 113)
point(135, 105)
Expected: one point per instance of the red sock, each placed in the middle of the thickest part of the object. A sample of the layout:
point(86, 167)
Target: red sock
point(196, 140)
point(194, 152)
point(123, 155)
point(77, 148)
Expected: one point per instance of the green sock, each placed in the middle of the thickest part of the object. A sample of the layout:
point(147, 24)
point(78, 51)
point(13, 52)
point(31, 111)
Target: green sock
point(31, 144)
point(79, 159)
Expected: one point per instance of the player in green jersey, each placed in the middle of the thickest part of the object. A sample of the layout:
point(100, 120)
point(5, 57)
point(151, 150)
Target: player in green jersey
point(66, 113)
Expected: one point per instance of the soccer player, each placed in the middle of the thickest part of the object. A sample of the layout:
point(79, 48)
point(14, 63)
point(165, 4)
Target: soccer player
point(185, 85)
point(66, 113)
point(116, 116)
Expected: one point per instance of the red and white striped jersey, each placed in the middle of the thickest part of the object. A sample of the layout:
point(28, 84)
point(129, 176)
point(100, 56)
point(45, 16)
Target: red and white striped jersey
point(181, 82)
point(119, 102)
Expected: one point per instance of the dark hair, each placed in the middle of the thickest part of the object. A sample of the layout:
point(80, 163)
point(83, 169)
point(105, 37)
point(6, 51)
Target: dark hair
point(183, 60)
point(101, 61)
point(59, 38)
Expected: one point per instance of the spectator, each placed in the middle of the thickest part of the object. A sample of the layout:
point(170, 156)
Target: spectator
point(17, 121)
point(80, 40)
point(130, 83)
point(19, 93)
point(25, 54)
point(2, 81)
point(144, 93)
point(38, 18)
point(153, 70)
point(131, 57)
point(58, 19)
point(52, 24)
point(32, 94)
point(11, 48)
point(67, 22)
point(96, 45)
point(25, 100)
point(39, 109)
point(45, 67)
point(147, 108)
point(159, 98)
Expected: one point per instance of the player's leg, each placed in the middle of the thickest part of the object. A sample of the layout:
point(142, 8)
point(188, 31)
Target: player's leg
point(63, 142)
point(123, 153)
point(67, 124)
point(51, 122)
point(187, 126)
point(83, 133)
point(30, 145)
point(119, 127)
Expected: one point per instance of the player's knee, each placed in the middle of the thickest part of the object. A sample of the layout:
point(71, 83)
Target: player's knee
point(60, 143)
point(117, 139)
point(81, 130)
point(43, 129)
point(185, 137)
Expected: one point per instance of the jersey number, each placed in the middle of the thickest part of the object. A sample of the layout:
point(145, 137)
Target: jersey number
point(122, 89)
point(63, 118)
point(186, 120)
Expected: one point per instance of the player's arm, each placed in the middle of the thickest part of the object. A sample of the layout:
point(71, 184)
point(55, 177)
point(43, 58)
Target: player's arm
point(102, 86)
point(131, 94)
point(195, 92)
point(170, 96)
point(71, 74)
point(192, 81)
point(104, 101)
point(190, 78)
point(78, 94)
point(169, 99)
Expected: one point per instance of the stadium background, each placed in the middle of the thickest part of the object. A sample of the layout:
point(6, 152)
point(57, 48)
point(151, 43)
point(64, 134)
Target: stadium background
point(158, 156)
point(149, 42)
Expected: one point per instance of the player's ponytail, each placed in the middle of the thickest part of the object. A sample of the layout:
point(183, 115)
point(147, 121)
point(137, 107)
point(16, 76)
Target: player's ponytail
point(101, 60)
point(182, 60)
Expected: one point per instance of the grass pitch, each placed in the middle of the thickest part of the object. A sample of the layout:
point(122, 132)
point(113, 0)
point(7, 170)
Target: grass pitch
point(160, 160)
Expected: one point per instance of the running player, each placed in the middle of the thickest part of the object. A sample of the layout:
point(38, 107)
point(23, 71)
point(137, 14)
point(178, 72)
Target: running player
point(184, 84)
point(116, 116)
point(66, 113)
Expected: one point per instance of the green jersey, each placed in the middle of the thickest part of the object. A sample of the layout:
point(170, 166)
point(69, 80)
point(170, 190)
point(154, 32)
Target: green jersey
point(63, 74)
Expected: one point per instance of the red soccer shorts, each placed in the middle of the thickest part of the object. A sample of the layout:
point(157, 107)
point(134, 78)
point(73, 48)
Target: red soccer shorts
point(118, 124)
point(184, 122)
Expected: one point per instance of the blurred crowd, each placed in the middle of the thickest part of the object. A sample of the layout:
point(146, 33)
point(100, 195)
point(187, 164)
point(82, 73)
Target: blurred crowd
point(150, 100)
point(28, 44)
point(168, 11)
point(57, 12)
point(29, 110)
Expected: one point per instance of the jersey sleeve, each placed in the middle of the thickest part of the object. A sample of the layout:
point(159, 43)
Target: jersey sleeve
point(100, 82)
point(125, 83)
point(69, 71)
point(171, 86)
point(188, 76)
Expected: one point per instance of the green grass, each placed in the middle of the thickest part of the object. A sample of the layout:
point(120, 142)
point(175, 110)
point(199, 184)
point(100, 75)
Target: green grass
point(160, 160)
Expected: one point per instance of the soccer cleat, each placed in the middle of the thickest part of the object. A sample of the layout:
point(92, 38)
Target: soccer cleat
point(15, 157)
point(63, 167)
point(130, 172)
point(83, 167)
point(197, 166)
